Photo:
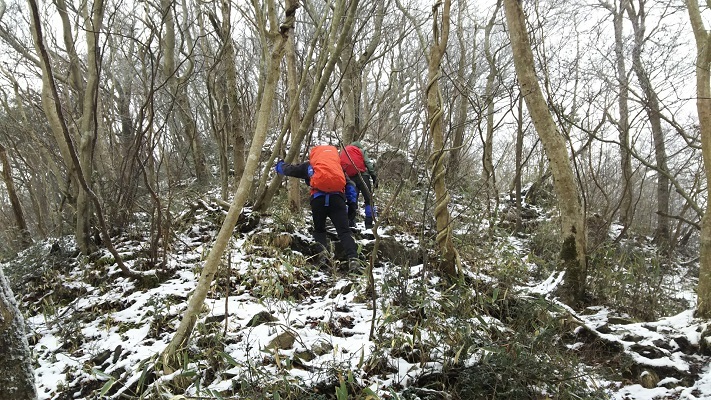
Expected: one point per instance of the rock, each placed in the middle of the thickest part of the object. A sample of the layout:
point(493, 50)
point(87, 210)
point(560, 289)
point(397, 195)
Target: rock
point(685, 346)
point(705, 343)
point(261, 318)
point(662, 344)
point(392, 166)
point(343, 290)
point(648, 379)
point(619, 320)
point(214, 319)
point(631, 337)
point(321, 347)
point(604, 329)
point(304, 355)
point(101, 357)
point(282, 241)
point(283, 341)
point(648, 351)
point(117, 354)
point(391, 250)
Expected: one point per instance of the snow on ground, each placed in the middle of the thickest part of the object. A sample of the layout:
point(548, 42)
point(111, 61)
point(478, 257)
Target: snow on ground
point(130, 325)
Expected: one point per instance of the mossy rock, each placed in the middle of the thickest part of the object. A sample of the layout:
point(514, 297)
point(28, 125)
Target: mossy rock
point(648, 379)
point(261, 318)
point(283, 341)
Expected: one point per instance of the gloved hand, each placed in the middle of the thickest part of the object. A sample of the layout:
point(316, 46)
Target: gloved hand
point(352, 210)
point(279, 168)
point(375, 181)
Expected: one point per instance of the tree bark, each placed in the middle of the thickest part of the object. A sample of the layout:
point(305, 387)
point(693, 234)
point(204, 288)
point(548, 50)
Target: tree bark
point(88, 129)
point(703, 107)
point(237, 115)
point(294, 120)
point(17, 378)
point(572, 256)
point(519, 164)
point(450, 262)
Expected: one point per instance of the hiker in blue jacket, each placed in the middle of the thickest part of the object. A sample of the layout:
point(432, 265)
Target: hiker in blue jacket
point(332, 195)
point(359, 167)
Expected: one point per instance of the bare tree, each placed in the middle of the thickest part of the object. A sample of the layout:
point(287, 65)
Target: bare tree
point(573, 251)
point(25, 237)
point(177, 84)
point(352, 63)
point(337, 34)
point(170, 358)
point(466, 69)
point(440, 28)
point(226, 110)
point(488, 171)
point(53, 108)
point(623, 125)
point(703, 107)
point(653, 109)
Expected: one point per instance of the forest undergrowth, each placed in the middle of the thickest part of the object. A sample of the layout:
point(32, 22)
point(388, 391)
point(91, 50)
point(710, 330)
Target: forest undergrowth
point(277, 326)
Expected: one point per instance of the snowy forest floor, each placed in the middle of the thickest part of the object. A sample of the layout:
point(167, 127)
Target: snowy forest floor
point(276, 326)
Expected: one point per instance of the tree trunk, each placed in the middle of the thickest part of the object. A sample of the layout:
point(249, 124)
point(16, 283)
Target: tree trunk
point(450, 257)
point(703, 107)
point(294, 121)
point(25, 238)
point(170, 357)
point(626, 210)
point(519, 164)
point(352, 66)
point(464, 89)
point(17, 378)
point(88, 130)
point(178, 90)
point(51, 99)
point(492, 193)
point(55, 124)
point(347, 87)
point(572, 254)
point(662, 234)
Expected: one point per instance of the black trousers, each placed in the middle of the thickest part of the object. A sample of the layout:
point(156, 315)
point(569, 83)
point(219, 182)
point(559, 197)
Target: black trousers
point(337, 211)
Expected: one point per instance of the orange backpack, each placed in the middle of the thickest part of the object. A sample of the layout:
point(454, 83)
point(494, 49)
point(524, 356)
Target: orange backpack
point(328, 175)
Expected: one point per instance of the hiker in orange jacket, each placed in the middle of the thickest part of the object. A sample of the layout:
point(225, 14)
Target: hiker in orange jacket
point(333, 194)
point(360, 169)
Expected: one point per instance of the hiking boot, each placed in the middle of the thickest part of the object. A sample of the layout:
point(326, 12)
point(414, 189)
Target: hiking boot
point(355, 266)
point(368, 222)
point(322, 261)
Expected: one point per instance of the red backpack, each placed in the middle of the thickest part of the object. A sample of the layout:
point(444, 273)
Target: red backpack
point(328, 175)
point(356, 155)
